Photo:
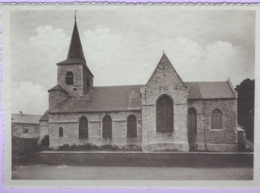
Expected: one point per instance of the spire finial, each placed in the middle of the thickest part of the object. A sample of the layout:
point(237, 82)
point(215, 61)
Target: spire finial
point(75, 14)
point(163, 51)
point(75, 49)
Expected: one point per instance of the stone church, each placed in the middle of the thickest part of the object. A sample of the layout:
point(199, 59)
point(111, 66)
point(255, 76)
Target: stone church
point(166, 114)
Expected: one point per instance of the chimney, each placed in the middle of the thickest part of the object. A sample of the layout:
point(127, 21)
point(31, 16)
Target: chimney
point(21, 113)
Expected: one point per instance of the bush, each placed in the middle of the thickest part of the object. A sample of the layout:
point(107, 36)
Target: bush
point(92, 147)
point(44, 144)
point(45, 141)
point(22, 149)
point(245, 106)
point(17, 147)
point(109, 147)
point(65, 147)
point(85, 147)
point(133, 147)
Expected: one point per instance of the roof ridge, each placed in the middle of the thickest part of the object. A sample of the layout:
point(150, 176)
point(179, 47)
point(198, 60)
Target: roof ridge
point(63, 87)
point(206, 81)
point(120, 85)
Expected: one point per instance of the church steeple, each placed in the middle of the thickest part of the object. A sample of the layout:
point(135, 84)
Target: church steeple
point(73, 73)
point(75, 49)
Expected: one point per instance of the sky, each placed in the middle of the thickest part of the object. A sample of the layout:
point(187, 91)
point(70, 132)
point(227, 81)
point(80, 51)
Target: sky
point(123, 47)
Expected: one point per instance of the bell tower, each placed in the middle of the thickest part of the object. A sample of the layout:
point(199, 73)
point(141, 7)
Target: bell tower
point(73, 73)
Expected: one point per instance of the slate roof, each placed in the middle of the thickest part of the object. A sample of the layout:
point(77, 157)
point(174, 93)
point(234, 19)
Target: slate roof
point(45, 116)
point(59, 88)
point(25, 118)
point(210, 90)
point(75, 49)
point(109, 98)
point(72, 61)
point(119, 98)
point(75, 53)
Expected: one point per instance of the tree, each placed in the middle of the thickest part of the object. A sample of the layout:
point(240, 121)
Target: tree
point(245, 106)
point(45, 141)
point(17, 147)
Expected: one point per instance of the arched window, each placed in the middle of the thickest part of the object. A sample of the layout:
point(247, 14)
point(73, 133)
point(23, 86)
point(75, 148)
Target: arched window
point(192, 121)
point(83, 128)
point(216, 119)
point(107, 127)
point(60, 132)
point(69, 78)
point(131, 126)
point(164, 114)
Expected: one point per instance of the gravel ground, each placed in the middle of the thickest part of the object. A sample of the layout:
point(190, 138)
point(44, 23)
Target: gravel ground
point(64, 172)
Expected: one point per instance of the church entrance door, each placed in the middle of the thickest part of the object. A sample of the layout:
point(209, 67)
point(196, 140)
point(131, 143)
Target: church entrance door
point(192, 128)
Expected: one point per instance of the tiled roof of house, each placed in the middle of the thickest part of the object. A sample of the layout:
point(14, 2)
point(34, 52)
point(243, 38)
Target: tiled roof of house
point(45, 116)
point(119, 98)
point(25, 118)
point(210, 90)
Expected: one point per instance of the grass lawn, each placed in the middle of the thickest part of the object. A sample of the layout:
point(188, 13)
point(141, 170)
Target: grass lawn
point(64, 172)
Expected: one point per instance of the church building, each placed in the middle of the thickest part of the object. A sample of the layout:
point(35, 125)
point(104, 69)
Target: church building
point(166, 114)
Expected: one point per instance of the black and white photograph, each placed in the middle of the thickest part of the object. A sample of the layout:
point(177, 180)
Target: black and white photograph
point(112, 93)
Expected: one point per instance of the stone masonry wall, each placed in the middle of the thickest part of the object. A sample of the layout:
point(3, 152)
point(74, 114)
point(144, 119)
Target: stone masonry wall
point(33, 130)
point(44, 130)
point(224, 139)
point(77, 70)
point(56, 97)
point(87, 77)
point(164, 80)
point(69, 122)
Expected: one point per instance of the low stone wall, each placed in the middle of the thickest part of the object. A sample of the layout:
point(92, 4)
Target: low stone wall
point(181, 147)
point(160, 159)
point(217, 147)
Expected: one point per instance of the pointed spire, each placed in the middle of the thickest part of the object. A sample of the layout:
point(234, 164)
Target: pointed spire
point(75, 14)
point(164, 58)
point(75, 49)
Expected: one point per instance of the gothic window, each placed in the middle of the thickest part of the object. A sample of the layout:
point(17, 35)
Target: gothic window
point(164, 114)
point(69, 78)
point(216, 119)
point(60, 132)
point(192, 121)
point(131, 126)
point(107, 127)
point(83, 128)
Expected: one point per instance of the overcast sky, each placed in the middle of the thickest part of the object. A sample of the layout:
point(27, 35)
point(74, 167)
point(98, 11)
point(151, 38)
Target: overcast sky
point(124, 47)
